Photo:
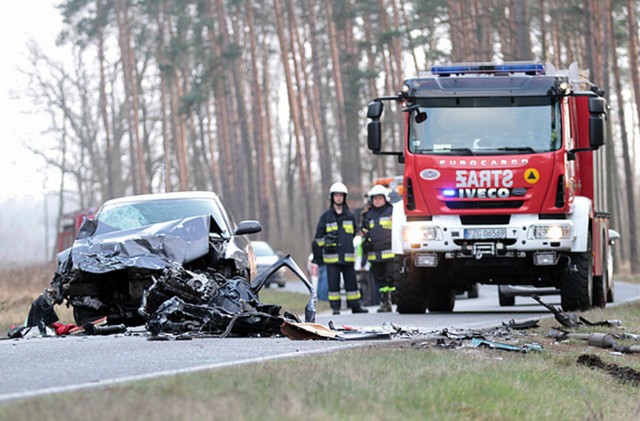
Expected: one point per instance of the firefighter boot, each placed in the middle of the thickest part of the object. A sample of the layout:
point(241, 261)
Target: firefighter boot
point(385, 303)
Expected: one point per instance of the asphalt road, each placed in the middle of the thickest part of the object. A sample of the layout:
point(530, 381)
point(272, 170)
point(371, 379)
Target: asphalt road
point(38, 366)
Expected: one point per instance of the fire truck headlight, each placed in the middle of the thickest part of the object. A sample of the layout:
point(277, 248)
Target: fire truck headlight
point(416, 235)
point(550, 232)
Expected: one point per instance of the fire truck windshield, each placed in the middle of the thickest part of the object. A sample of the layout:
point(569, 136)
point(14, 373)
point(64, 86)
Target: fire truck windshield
point(485, 126)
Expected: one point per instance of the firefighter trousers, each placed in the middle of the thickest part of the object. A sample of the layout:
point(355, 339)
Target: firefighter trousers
point(350, 285)
point(383, 274)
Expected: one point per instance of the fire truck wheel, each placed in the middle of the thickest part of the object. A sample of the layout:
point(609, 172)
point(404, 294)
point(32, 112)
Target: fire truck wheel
point(576, 287)
point(473, 292)
point(506, 300)
point(441, 298)
point(411, 292)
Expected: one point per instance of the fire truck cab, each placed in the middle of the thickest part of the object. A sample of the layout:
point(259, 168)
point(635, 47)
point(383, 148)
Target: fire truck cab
point(504, 183)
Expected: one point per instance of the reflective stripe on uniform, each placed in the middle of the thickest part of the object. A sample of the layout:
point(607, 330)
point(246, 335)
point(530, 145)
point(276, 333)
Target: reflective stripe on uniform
point(385, 222)
point(334, 296)
point(384, 255)
point(320, 241)
point(348, 227)
point(372, 224)
point(331, 226)
point(349, 257)
point(330, 258)
point(387, 254)
point(353, 295)
point(387, 289)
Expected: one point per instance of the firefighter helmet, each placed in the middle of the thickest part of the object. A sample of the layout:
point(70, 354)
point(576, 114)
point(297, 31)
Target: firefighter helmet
point(338, 188)
point(378, 190)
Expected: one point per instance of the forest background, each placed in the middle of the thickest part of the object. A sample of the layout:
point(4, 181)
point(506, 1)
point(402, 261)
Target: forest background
point(264, 101)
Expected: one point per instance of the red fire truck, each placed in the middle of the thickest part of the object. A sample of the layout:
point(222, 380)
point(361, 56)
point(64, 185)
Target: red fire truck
point(504, 184)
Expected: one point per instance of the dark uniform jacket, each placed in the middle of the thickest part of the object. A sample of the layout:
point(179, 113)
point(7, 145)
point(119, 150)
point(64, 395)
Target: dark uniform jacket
point(335, 235)
point(377, 223)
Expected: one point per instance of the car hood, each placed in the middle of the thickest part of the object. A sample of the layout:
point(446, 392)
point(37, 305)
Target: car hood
point(152, 247)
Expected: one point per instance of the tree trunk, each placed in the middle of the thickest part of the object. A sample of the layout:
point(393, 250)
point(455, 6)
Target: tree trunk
point(263, 196)
point(166, 142)
point(131, 92)
point(104, 112)
point(521, 21)
point(628, 171)
point(299, 159)
point(274, 189)
point(228, 181)
point(319, 105)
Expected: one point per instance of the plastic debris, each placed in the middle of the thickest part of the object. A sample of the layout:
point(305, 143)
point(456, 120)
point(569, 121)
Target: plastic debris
point(483, 343)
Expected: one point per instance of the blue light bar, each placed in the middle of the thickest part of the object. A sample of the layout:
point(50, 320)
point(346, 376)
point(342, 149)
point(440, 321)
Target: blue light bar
point(489, 68)
point(449, 192)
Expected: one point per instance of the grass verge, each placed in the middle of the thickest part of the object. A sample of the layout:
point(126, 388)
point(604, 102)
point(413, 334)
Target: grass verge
point(291, 301)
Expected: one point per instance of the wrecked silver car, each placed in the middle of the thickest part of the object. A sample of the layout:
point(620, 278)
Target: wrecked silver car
point(133, 240)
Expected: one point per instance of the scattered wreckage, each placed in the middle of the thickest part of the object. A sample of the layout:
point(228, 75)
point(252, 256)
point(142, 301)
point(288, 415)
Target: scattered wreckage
point(185, 302)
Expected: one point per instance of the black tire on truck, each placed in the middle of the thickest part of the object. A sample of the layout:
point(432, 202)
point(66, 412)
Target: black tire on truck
point(505, 300)
point(473, 291)
point(576, 285)
point(411, 292)
point(441, 298)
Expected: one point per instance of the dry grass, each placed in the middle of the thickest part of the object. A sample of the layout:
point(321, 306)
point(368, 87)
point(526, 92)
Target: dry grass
point(19, 286)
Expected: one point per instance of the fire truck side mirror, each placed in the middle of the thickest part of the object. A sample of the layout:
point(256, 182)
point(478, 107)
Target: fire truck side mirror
point(597, 105)
point(374, 131)
point(375, 110)
point(374, 135)
point(597, 109)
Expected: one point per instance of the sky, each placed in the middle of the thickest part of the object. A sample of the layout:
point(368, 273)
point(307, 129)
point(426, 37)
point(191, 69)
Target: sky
point(27, 213)
point(20, 21)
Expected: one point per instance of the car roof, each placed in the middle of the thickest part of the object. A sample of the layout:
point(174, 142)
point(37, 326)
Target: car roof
point(163, 196)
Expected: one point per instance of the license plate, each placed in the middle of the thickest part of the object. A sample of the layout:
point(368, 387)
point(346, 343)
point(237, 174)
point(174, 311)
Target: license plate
point(485, 233)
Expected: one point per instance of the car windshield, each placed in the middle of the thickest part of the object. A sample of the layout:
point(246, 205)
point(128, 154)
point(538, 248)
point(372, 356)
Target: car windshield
point(123, 216)
point(483, 126)
point(262, 249)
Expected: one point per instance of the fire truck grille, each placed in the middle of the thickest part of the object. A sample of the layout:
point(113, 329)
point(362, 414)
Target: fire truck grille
point(494, 204)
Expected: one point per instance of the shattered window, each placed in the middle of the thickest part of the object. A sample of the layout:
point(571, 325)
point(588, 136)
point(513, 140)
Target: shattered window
point(124, 216)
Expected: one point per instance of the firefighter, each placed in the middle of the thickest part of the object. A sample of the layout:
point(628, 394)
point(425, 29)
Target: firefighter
point(376, 229)
point(335, 233)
